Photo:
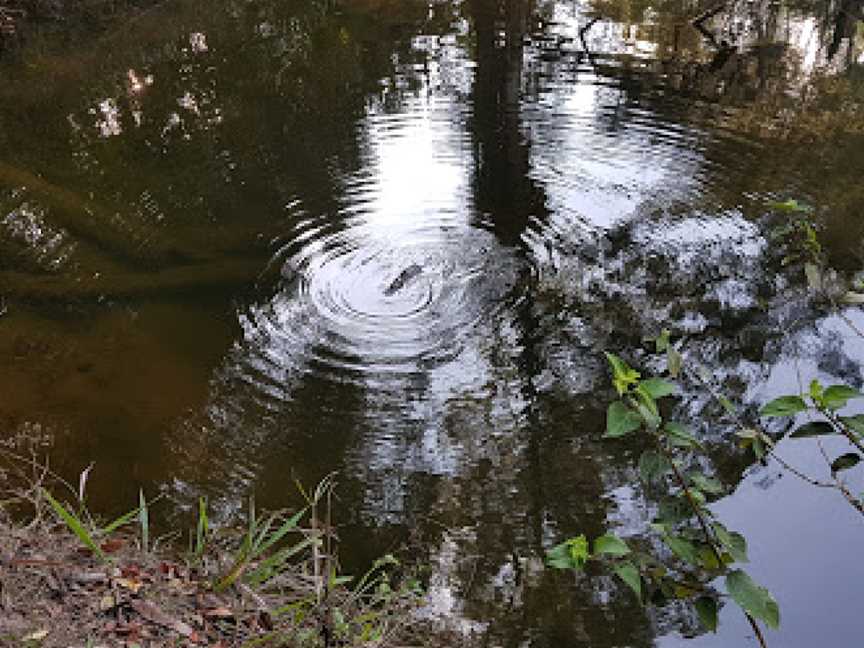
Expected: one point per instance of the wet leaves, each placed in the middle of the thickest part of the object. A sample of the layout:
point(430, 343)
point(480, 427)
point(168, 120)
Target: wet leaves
point(657, 387)
point(706, 610)
point(621, 420)
point(836, 396)
point(845, 462)
point(784, 406)
point(813, 429)
point(753, 598)
point(610, 544)
point(734, 543)
point(629, 573)
point(652, 466)
point(683, 548)
point(571, 554)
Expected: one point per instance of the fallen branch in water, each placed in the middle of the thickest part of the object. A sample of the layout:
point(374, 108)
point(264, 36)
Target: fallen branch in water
point(93, 222)
point(177, 279)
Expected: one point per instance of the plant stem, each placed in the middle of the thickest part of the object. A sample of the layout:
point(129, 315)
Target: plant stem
point(709, 537)
point(840, 427)
point(837, 485)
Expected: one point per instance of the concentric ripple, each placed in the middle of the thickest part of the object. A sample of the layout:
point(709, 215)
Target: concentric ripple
point(352, 307)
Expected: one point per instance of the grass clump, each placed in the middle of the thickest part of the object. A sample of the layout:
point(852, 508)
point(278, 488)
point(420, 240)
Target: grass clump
point(67, 580)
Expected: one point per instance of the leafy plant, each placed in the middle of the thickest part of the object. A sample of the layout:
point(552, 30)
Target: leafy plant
point(823, 404)
point(88, 532)
point(258, 539)
point(701, 547)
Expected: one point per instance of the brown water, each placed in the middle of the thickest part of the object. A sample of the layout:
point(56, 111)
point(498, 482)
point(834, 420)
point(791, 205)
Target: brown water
point(243, 243)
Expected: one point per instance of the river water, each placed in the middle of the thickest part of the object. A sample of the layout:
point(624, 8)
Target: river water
point(244, 243)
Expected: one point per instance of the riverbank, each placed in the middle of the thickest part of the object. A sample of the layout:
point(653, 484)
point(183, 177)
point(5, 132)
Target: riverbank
point(66, 580)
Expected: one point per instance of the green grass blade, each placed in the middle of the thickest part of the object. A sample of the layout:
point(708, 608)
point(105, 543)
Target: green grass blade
point(144, 520)
point(123, 520)
point(289, 525)
point(202, 528)
point(260, 535)
point(75, 525)
point(271, 566)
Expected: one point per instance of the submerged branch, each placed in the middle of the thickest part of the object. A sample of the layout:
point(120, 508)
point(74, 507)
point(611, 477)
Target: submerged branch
point(93, 222)
point(178, 279)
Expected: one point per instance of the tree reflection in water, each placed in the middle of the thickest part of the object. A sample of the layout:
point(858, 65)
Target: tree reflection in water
point(558, 202)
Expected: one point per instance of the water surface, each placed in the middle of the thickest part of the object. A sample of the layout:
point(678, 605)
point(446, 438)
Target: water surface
point(244, 243)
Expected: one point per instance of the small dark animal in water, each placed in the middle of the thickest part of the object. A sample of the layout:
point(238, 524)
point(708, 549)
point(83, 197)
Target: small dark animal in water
point(402, 280)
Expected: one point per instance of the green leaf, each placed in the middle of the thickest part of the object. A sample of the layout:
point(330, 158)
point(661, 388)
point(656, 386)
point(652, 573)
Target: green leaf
point(790, 207)
point(684, 591)
point(650, 418)
point(272, 565)
point(813, 275)
point(753, 598)
point(610, 544)
point(814, 429)
point(836, 396)
point(621, 420)
point(816, 390)
point(571, 554)
point(680, 436)
point(657, 387)
point(646, 402)
point(855, 424)
point(706, 610)
point(708, 558)
point(652, 466)
point(758, 447)
point(623, 376)
point(673, 510)
point(629, 573)
point(845, 462)
point(75, 525)
point(673, 362)
point(726, 404)
point(682, 548)
point(708, 484)
point(143, 521)
point(121, 521)
point(697, 496)
point(734, 543)
point(784, 406)
point(662, 341)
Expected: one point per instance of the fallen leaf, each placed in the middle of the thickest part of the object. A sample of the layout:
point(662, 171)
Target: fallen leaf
point(210, 600)
point(130, 571)
point(129, 584)
point(112, 545)
point(89, 578)
point(130, 630)
point(158, 616)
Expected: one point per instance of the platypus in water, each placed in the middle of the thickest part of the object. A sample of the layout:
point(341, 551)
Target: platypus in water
point(404, 277)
